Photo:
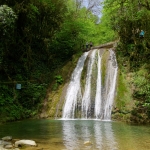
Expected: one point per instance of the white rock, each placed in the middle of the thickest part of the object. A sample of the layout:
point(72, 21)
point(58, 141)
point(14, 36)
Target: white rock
point(9, 146)
point(25, 142)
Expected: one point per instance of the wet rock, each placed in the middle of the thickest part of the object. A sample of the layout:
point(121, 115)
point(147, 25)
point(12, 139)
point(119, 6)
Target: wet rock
point(3, 143)
point(7, 143)
point(25, 142)
point(10, 146)
point(7, 138)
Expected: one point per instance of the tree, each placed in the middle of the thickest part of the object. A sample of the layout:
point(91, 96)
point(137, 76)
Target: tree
point(25, 57)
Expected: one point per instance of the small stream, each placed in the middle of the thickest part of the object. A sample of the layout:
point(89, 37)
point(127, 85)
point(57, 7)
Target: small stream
point(71, 134)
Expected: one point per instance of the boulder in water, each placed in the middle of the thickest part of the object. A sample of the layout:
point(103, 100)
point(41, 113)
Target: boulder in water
point(25, 142)
point(9, 146)
point(4, 145)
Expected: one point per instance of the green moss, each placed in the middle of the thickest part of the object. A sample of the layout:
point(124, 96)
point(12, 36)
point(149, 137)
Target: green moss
point(94, 80)
point(124, 99)
point(83, 76)
point(104, 65)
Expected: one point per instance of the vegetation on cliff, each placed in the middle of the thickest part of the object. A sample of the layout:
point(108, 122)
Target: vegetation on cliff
point(128, 18)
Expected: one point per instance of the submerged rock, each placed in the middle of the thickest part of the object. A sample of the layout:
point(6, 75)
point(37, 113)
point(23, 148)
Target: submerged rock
point(87, 143)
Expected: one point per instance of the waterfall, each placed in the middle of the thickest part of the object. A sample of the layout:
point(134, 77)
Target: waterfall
point(86, 98)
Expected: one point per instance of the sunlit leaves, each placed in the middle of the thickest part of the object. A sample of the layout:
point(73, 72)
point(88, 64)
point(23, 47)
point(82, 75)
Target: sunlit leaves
point(7, 19)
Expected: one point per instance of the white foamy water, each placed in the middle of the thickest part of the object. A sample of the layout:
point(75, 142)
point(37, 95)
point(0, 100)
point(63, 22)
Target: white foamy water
point(98, 97)
point(86, 100)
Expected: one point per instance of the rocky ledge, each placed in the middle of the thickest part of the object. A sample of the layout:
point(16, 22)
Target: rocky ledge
point(7, 143)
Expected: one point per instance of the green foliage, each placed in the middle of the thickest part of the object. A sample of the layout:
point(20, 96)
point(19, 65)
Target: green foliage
point(7, 26)
point(26, 31)
point(41, 37)
point(141, 81)
point(32, 93)
point(9, 108)
point(127, 19)
point(17, 104)
point(104, 28)
point(58, 81)
point(124, 93)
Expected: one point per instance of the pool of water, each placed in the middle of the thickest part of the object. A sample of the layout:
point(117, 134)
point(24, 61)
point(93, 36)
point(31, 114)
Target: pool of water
point(72, 134)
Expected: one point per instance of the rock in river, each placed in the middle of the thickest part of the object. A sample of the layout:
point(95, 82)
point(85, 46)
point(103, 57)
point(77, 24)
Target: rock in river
point(25, 142)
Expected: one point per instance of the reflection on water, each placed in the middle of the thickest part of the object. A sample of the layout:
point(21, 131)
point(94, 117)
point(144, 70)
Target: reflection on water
point(69, 135)
point(100, 134)
point(104, 136)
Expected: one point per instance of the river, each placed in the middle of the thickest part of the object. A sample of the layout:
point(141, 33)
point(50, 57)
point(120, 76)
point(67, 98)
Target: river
point(72, 134)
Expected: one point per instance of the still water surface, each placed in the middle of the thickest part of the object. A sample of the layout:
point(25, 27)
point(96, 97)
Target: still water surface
point(71, 134)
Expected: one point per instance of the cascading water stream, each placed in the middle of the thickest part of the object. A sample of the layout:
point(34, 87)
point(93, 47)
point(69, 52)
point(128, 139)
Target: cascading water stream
point(110, 85)
point(86, 100)
point(79, 99)
point(74, 89)
point(98, 97)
